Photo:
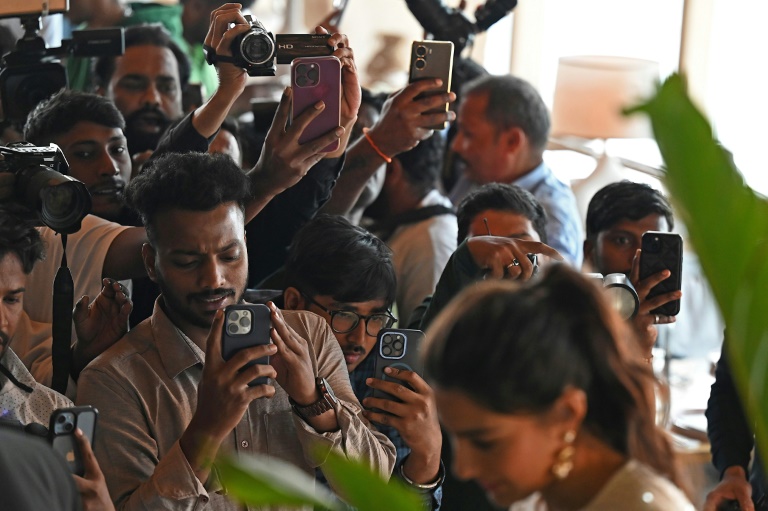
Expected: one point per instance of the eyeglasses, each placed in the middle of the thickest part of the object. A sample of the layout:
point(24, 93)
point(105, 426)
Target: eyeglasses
point(345, 321)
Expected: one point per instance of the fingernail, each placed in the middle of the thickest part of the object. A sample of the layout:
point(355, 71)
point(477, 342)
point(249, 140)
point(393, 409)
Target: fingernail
point(388, 370)
point(287, 92)
point(319, 105)
point(438, 82)
point(339, 131)
point(368, 381)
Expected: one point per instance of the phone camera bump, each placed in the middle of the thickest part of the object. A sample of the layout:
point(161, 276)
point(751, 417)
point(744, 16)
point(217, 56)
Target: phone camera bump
point(654, 247)
point(420, 64)
point(65, 423)
point(421, 51)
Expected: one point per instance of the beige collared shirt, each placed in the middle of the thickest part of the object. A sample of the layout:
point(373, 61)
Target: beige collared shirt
point(145, 388)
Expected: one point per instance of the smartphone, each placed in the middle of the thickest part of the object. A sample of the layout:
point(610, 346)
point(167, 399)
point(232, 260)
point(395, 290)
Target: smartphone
point(399, 348)
point(429, 60)
point(246, 325)
point(61, 433)
point(663, 251)
point(314, 79)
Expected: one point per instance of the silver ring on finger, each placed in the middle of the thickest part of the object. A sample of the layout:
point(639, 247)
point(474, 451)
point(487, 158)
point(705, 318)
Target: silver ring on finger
point(656, 319)
point(514, 262)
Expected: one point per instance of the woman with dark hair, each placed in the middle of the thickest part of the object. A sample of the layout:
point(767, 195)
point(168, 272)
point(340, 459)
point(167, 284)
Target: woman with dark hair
point(545, 397)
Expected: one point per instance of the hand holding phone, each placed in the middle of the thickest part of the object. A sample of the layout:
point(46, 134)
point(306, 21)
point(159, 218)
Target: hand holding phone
point(245, 326)
point(61, 433)
point(662, 251)
point(430, 60)
point(399, 348)
point(315, 79)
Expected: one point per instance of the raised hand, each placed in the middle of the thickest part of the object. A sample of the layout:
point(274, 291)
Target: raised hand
point(507, 257)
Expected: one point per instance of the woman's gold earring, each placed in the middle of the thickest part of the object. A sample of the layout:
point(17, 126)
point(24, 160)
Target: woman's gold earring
point(564, 463)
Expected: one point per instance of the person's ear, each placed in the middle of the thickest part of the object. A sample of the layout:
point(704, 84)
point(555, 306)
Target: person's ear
point(292, 299)
point(148, 255)
point(513, 139)
point(568, 412)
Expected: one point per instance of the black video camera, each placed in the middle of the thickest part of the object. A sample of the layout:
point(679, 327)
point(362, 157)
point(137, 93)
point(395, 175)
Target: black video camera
point(32, 73)
point(43, 193)
point(258, 50)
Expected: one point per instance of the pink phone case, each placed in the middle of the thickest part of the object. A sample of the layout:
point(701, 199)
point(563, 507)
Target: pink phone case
point(314, 79)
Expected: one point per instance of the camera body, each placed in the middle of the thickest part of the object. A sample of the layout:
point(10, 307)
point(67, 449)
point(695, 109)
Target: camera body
point(259, 50)
point(43, 194)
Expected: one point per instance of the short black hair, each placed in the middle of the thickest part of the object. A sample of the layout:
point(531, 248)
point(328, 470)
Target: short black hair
point(59, 113)
point(151, 34)
point(513, 102)
point(20, 238)
point(625, 200)
point(190, 181)
point(501, 197)
point(423, 164)
point(330, 256)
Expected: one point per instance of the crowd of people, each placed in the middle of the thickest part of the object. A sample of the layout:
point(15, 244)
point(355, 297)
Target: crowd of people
point(535, 394)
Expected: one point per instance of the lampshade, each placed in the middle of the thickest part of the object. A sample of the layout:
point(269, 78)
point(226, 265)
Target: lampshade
point(591, 92)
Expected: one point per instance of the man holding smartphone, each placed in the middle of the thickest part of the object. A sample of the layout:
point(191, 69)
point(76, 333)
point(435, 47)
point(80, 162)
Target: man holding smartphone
point(617, 217)
point(168, 401)
point(346, 275)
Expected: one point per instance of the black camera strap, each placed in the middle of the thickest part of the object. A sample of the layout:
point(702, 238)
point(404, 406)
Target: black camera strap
point(63, 300)
point(211, 57)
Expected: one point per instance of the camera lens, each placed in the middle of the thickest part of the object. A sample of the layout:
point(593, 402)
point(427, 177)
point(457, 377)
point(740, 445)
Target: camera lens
point(420, 64)
point(61, 419)
point(654, 246)
point(245, 322)
point(301, 70)
point(69, 427)
point(233, 328)
point(398, 345)
point(386, 351)
point(302, 81)
point(421, 51)
point(387, 339)
point(233, 316)
point(257, 47)
point(313, 73)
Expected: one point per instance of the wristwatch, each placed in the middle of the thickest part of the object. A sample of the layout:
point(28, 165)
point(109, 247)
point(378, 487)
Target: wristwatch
point(326, 402)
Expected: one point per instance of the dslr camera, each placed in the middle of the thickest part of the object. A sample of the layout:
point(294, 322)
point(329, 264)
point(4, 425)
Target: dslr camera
point(43, 194)
point(258, 50)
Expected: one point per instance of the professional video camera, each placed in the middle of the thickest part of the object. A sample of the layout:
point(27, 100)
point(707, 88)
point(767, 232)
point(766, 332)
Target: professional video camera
point(258, 50)
point(43, 193)
point(451, 25)
point(32, 72)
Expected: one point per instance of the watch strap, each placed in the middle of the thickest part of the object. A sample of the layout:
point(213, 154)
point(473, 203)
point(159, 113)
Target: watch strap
point(320, 406)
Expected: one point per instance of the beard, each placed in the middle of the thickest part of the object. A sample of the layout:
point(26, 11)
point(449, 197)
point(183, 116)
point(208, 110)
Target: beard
point(139, 139)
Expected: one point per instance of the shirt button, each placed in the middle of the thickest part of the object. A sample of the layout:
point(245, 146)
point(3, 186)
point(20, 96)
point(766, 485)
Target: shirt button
point(204, 499)
point(244, 444)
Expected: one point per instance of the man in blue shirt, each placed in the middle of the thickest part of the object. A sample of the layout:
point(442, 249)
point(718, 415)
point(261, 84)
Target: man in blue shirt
point(502, 129)
point(345, 274)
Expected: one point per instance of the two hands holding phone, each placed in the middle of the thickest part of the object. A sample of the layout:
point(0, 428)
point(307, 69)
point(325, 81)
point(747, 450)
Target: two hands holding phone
point(404, 401)
point(229, 386)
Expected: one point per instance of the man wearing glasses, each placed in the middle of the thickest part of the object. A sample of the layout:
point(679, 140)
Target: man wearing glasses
point(345, 274)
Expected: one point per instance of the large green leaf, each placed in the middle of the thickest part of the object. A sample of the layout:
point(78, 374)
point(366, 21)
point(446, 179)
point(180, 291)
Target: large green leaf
point(365, 489)
point(728, 225)
point(264, 481)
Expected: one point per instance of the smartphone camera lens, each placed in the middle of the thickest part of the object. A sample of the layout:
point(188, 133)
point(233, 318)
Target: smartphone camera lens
point(398, 345)
point(420, 64)
point(654, 246)
point(387, 339)
point(69, 427)
point(61, 419)
point(313, 73)
point(386, 351)
point(421, 51)
point(233, 329)
point(245, 322)
point(233, 316)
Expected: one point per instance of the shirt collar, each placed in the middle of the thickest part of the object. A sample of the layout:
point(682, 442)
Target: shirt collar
point(529, 180)
point(16, 367)
point(177, 351)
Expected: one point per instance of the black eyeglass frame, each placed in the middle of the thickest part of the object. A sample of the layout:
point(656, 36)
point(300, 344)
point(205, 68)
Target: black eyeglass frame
point(392, 319)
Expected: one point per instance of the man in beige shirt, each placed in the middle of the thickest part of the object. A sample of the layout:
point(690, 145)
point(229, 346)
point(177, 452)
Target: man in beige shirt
point(168, 402)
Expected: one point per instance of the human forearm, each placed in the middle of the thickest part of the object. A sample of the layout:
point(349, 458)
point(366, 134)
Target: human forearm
point(207, 118)
point(361, 164)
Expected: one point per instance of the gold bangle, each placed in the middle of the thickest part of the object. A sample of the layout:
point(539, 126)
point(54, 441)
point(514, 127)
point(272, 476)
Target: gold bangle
point(375, 147)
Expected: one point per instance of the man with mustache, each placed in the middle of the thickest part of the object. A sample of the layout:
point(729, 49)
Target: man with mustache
point(145, 83)
point(168, 402)
point(346, 275)
point(503, 125)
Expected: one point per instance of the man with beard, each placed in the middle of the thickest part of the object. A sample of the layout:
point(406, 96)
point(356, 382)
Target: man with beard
point(346, 275)
point(145, 83)
point(168, 402)
point(503, 125)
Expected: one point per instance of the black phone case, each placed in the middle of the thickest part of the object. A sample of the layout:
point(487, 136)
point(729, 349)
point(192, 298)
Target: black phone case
point(429, 60)
point(409, 360)
point(61, 433)
point(663, 251)
point(257, 334)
